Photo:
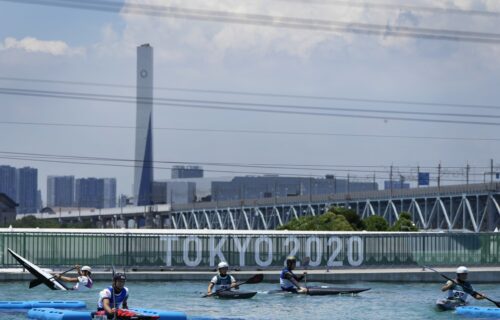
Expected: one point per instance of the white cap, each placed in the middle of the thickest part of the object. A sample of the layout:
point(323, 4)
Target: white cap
point(86, 268)
point(462, 269)
point(222, 265)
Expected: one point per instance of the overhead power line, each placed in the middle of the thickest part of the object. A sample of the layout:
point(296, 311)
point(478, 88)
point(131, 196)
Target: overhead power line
point(242, 131)
point(363, 169)
point(391, 6)
point(273, 21)
point(262, 94)
point(240, 106)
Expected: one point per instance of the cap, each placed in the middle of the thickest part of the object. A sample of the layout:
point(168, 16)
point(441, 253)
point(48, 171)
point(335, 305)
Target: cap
point(222, 265)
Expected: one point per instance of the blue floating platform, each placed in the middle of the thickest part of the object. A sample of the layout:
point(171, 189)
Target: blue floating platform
point(164, 315)
point(57, 314)
point(478, 312)
point(26, 305)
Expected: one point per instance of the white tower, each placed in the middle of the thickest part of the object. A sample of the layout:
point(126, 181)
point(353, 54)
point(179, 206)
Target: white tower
point(143, 178)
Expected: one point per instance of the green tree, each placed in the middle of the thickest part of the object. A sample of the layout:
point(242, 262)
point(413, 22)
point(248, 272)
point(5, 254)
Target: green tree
point(33, 222)
point(351, 216)
point(376, 223)
point(325, 222)
point(404, 223)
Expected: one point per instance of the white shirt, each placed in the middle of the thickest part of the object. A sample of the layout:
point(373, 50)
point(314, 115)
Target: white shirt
point(82, 283)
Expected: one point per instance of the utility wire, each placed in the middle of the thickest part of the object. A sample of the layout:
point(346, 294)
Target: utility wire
point(241, 131)
point(261, 94)
point(248, 107)
point(385, 6)
point(350, 168)
point(274, 21)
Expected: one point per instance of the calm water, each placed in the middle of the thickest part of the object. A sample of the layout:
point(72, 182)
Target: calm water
point(384, 301)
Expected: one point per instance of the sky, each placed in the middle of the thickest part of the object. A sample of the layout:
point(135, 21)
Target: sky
point(302, 64)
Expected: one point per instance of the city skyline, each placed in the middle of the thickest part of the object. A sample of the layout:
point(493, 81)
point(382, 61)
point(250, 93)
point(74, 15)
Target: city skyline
point(215, 64)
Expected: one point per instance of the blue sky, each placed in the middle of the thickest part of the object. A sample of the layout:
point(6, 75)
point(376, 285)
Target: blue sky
point(89, 46)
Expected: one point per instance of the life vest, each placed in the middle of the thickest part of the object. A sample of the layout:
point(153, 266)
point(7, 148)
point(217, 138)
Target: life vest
point(221, 282)
point(83, 283)
point(456, 291)
point(286, 284)
point(115, 300)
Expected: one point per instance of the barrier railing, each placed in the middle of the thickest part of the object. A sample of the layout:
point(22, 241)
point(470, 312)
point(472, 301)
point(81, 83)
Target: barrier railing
point(202, 249)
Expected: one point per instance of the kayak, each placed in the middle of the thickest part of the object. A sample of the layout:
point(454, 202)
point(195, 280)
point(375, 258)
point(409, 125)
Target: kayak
point(235, 294)
point(324, 291)
point(26, 305)
point(136, 314)
point(41, 275)
point(478, 312)
point(449, 304)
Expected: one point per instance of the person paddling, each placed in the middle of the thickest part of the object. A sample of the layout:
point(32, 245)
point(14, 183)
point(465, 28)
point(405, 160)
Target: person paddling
point(222, 281)
point(290, 281)
point(460, 289)
point(114, 297)
point(82, 282)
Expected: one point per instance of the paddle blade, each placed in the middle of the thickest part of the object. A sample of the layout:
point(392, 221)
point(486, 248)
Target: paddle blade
point(305, 262)
point(35, 282)
point(256, 278)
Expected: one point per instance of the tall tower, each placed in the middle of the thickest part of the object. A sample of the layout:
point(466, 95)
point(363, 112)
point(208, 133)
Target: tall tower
point(143, 178)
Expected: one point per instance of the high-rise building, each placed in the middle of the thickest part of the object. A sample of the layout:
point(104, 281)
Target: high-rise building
point(27, 187)
point(143, 177)
point(95, 193)
point(89, 193)
point(109, 193)
point(181, 192)
point(180, 172)
point(8, 183)
point(60, 191)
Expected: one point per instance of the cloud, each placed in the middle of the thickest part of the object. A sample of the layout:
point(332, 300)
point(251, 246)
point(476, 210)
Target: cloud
point(33, 45)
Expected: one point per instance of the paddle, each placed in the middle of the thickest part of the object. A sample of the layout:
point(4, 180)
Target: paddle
point(254, 279)
point(36, 282)
point(305, 264)
point(471, 292)
point(112, 290)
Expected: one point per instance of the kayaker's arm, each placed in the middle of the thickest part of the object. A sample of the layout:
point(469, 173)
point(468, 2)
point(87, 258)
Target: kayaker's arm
point(447, 286)
point(107, 307)
point(234, 284)
point(125, 303)
point(210, 288)
point(292, 279)
point(64, 278)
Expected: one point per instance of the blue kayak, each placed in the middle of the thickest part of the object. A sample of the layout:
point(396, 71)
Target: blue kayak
point(478, 312)
point(26, 305)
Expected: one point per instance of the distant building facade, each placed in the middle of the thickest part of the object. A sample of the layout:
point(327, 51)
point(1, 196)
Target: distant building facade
point(27, 190)
point(178, 192)
point(7, 210)
point(275, 186)
point(8, 183)
point(396, 185)
point(60, 191)
point(95, 193)
point(180, 172)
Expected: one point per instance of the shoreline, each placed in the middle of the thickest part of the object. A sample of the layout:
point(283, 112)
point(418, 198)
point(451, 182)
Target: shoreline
point(488, 274)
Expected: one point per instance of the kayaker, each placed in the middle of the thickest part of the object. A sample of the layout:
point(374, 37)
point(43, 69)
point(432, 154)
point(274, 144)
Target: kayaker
point(290, 281)
point(82, 282)
point(460, 289)
point(114, 297)
point(222, 280)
